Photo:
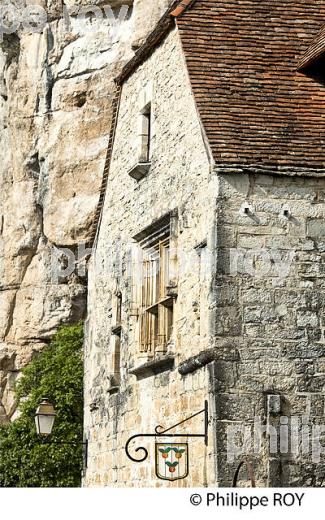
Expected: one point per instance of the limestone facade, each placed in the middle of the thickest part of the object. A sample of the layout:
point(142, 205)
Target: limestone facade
point(247, 290)
point(180, 179)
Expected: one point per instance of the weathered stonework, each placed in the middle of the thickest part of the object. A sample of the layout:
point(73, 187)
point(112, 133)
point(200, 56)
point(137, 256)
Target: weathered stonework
point(56, 90)
point(270, 306)
point(248, 330)
point(178, 154)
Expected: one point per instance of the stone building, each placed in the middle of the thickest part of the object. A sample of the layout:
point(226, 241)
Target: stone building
point(207, 275)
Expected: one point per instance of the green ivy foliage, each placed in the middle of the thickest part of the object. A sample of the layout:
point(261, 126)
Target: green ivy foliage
point(27, 460)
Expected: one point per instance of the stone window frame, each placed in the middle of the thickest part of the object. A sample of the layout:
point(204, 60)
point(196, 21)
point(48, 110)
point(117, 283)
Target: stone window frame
point(144, 134)
point(156, 317)
point(154, 296)
point(115, 343)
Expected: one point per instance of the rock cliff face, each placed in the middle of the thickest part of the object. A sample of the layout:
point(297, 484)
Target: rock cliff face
point(56, 89)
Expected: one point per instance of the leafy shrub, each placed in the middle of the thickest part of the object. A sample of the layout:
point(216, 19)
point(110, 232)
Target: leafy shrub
point(27, 460)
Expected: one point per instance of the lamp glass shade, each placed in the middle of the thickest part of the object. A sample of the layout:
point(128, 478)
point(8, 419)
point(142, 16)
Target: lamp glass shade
point(44, 418)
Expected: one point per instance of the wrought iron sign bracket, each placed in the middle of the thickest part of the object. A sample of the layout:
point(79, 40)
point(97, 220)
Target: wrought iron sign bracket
point(160, 432)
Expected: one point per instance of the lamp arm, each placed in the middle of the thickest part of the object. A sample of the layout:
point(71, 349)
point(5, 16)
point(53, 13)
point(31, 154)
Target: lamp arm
point(84, 444)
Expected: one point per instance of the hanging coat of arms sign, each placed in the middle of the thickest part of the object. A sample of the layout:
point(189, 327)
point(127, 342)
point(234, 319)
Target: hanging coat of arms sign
point(171, 461)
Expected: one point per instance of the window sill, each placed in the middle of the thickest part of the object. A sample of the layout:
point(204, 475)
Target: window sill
point(114, 384)
point(154, 367)
point(166, 302)
point(140, 170)
point(113, 390)
point(116, 330)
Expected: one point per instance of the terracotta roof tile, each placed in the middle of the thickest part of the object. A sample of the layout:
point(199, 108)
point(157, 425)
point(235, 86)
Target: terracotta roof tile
point(242, 57)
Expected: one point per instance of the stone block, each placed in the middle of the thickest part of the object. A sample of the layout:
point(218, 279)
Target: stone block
point(235, 407)
point(307, 319)
point(307, 383)
point(316, 228)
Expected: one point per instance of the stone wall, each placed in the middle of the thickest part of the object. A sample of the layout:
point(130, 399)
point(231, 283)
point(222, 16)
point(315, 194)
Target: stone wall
point(270, 309)
point(180, 178)
point(56, 89)
point(248, 330)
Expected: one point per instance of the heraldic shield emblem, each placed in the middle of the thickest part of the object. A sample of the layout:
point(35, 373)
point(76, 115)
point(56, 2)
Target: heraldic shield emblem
point(171, 461)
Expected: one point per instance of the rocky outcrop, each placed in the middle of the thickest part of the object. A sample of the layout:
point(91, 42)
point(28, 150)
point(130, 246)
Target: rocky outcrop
point(56, 89)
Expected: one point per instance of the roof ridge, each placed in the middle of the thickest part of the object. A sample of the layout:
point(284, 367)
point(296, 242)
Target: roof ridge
point(175, 10)
point(182, 6)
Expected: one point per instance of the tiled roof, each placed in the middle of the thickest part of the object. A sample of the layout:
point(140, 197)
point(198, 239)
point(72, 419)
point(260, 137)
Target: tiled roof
point(242, 57)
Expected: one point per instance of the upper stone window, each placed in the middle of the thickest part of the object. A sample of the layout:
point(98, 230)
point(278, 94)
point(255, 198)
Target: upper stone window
point(145, 119)
point(145, 146)
point(313, 62)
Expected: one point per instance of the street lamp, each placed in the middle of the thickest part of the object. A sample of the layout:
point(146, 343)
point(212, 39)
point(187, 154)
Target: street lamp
point(44, 418)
